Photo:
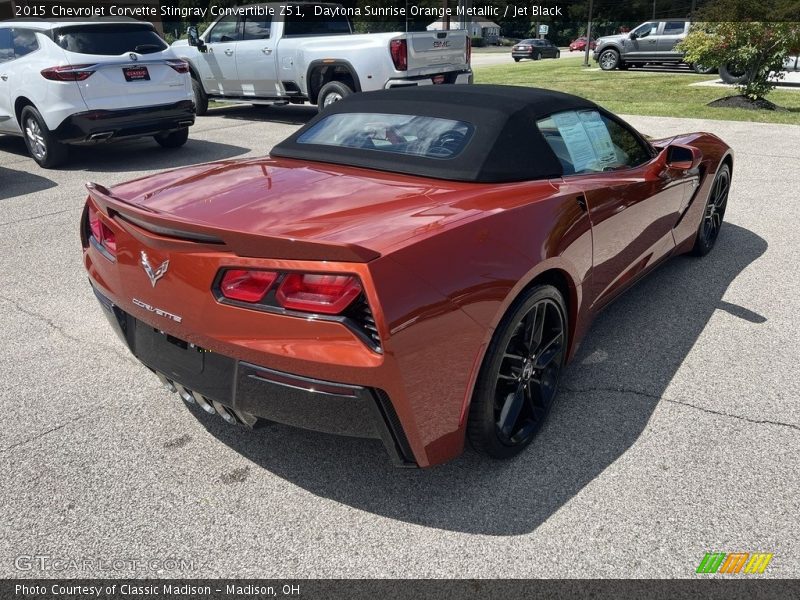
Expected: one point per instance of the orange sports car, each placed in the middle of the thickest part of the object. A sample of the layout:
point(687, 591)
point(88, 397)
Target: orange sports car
point(413, 265)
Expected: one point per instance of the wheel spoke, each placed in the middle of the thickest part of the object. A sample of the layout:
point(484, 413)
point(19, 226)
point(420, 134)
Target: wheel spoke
point(534, 327)
point(549, 351)
point(509, 414)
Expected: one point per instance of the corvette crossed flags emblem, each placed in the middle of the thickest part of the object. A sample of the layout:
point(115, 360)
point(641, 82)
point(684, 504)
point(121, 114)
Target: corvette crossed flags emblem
point(153, 274)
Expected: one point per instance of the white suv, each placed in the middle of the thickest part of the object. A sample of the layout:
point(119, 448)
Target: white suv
point(77, 82)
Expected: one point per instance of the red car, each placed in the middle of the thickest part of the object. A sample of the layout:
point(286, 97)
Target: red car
point(580, 44)
point(414, 265)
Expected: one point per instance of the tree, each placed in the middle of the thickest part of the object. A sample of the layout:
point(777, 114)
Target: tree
point(729, 36)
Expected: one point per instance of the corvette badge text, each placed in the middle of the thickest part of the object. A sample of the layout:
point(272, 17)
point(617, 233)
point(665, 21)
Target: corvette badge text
point(734, 562)
point(156, 311)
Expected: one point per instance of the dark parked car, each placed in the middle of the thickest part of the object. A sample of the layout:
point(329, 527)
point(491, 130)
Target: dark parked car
point(415, 265)
point(534, 49)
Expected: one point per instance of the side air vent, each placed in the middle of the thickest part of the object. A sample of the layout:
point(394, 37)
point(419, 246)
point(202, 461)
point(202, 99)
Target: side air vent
point(361, 318)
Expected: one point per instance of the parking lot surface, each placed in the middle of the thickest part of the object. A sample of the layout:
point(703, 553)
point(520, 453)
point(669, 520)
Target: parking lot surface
point(677, 431)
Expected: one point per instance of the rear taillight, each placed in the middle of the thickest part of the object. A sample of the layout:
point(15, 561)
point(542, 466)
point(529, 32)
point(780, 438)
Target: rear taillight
point(469, 50)
point(181, 66)
point(321, 293)
point(68, 73)
point(327, 294)
point(246, 285)
point(399, 52)
point(101, 233)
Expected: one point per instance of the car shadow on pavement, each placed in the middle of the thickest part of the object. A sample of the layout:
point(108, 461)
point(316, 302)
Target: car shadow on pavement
point(15, 183)
point(608, 395)
point(141, 154)
point(297, 114)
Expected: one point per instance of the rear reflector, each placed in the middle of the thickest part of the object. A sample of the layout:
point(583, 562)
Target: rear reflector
point(326, 294)
point(101, 233)
point(245, 285)
point(68, 73)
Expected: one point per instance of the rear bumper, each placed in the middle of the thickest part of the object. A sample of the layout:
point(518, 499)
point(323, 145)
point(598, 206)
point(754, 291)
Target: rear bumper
point(100, 125)
point(239, 390)
point(458, 77)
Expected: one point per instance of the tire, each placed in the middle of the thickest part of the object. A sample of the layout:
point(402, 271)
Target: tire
point(172, 139)
point(558, 54)
point(732, 74)
point(200, 98)
point(536, 56)
point(518, 381)
point(331, 92)
point(516, 59)
point(42, 146)
point(714, 213)
point(608, 59)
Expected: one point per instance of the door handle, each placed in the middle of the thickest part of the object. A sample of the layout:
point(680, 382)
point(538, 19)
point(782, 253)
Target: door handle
point(229, 52)
point(582, 203)
point(4, 77)
point(267, 50)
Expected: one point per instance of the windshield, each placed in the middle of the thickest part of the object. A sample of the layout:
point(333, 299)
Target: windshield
point(109, 40)
point(429, 137)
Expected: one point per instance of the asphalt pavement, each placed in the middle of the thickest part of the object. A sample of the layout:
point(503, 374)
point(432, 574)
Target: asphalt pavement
point(677, 431)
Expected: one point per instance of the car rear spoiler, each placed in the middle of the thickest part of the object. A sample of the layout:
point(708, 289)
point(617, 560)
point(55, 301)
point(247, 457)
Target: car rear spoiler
point(168, 232)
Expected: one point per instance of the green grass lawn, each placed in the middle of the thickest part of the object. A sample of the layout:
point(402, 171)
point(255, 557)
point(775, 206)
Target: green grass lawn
point(638, 92)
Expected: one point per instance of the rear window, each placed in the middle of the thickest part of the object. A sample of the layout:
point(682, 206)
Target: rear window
point(428, 137)
point(310, 24)
point(109, 40)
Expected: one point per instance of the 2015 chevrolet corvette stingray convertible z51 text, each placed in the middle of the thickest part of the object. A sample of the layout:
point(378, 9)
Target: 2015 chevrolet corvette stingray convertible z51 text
point(413, 265)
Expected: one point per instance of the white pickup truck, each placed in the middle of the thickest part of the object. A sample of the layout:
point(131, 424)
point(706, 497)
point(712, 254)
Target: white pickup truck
point(295, 52)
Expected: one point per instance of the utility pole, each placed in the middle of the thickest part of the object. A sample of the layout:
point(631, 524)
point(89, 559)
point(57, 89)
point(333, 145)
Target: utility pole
point(588, 36)
point(445, 16)
point(654, 9)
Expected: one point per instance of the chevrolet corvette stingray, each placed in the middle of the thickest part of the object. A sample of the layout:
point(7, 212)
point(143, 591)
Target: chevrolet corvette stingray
point(412, 265)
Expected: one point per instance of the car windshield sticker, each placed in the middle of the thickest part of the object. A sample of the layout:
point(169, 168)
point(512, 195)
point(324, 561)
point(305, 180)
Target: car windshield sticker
point(581, 151)
point(598, 134)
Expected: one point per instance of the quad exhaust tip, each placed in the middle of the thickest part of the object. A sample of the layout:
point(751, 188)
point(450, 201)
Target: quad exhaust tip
point(229, 415)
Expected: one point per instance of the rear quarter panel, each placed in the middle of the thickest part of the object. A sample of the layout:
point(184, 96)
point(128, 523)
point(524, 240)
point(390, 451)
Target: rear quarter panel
point(443, 295)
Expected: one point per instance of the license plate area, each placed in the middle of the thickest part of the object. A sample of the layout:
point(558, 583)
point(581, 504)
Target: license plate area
point(136, 73)
point(170, 355)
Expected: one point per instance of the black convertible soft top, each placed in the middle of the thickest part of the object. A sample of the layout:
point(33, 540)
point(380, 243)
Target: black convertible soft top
point(506, 144)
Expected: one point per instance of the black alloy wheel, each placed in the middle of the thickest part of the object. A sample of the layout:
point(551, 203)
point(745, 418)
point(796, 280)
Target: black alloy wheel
point(714, 213)
point(519, 380)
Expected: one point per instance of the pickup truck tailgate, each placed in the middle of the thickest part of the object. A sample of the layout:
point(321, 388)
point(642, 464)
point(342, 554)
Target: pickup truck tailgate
point(437, 50)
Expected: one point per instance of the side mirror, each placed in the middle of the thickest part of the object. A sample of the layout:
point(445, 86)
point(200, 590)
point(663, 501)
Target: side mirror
point(194, 39)
point(683, 158)
point(633, 35)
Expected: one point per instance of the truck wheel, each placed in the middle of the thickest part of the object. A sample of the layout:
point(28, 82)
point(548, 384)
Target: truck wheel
point(516, 59)
point(172, 139)
point(200, 98)
point(42, 146)
point(609, 60)
point(331, 92)
point(734, 74)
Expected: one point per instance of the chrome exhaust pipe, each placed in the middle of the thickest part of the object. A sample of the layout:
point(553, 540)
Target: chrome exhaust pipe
point(186, 123)
point(98, 137)
point(185, 394)
point(167, 383)
point(227, 415)
point(204, 404)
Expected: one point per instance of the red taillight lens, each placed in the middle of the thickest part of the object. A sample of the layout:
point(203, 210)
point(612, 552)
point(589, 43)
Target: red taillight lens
point(101, 232)
point(181, 66)
point(68, 73)
point(469, 50)
point(327, 294)
point(399, 52)
point(246, 286)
